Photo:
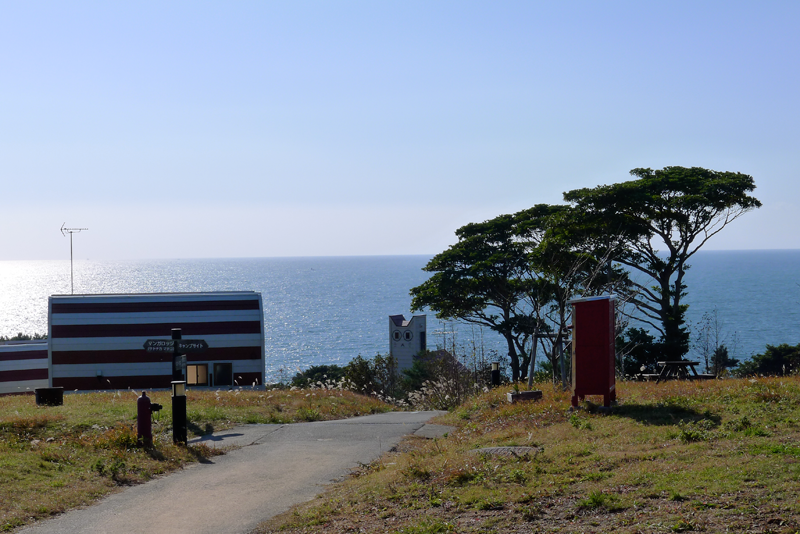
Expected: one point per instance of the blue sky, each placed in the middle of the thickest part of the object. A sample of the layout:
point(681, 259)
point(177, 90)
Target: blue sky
point(245, 129)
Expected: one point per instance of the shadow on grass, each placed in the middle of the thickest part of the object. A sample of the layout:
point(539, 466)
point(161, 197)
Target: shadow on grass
point(664, 414)
point(155, 454)
point(203, 453)
point(197, 430)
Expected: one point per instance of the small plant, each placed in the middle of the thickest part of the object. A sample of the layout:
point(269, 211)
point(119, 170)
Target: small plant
point(116, 467)
point(693, 432)
point(579, 422)
point(428, 527)
point(517, 476)
point(463, 477)
point(531, 512)
point(683, 526)
point(99, 466)
point(738, 425)
point(120, 437)
point(596, 499)
point(490, 504)
point(595, 477)
point(676, 497)
point(756, 432)
point(308, 414)
point(415, 471)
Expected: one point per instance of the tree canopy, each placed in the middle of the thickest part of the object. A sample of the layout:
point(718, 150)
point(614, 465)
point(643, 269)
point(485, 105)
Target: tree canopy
point(515, 273)
point(505, 274)
point(481, 280)
point(663, 218)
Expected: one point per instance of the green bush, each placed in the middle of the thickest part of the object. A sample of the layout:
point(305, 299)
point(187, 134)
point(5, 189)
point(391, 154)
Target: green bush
point(24, 337)
point(377, 376)
point(325, 374)
point(776, 361)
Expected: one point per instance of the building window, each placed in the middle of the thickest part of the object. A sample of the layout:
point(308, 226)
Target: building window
point(396, 335)
point(408, 335)
point(197, 375)
point(223, 374)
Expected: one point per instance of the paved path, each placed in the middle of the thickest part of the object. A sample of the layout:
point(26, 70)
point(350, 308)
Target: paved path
point(277, 467)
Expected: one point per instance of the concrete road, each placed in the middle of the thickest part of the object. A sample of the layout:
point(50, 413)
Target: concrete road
point(277, 467)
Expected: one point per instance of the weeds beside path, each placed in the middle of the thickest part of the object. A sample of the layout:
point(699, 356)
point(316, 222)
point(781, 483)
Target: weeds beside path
point(56, 458)
point(715, 456)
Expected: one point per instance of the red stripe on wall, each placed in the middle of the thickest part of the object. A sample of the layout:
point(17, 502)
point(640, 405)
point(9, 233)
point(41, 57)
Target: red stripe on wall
point(230, 353)
point(23, 374)
point(26, 355)
point(113, 382)
point(157, 329)
point(159, 306)
point(73, 357)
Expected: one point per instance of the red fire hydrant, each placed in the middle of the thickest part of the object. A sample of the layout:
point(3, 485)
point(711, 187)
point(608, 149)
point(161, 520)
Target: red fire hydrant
point(143, 423)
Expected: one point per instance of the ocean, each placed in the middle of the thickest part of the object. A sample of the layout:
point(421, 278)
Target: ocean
point(330, 309)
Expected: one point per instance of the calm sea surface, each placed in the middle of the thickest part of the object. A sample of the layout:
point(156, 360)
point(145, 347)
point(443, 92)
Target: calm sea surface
point(329, 310)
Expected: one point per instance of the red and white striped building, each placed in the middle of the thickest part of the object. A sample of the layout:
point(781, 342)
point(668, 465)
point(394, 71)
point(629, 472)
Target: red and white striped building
point(97, 341)
point(23, 366)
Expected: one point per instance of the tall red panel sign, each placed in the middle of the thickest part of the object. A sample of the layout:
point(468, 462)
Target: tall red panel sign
point(593, 349)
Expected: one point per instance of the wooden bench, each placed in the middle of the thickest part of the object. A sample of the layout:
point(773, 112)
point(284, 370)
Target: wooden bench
point(680, 369)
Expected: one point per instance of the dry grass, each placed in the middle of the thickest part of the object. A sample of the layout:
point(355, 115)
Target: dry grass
point(716, 456)
point(56, 458)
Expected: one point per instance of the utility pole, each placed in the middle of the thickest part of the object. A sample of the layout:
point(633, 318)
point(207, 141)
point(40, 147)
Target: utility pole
point(70, 231)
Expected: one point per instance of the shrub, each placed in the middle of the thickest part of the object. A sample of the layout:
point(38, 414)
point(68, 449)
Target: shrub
point(776, 361)
point(377, 376)
point(639, 351)
point(24, 337)
point(325, 374)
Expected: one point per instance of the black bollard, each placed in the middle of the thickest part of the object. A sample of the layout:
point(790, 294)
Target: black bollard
point(495, 374)
point(179, 411)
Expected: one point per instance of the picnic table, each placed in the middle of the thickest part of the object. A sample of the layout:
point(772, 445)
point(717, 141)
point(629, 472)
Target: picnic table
point(680, 369)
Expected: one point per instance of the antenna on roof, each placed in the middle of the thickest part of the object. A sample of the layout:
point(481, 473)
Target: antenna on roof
point(70, 231)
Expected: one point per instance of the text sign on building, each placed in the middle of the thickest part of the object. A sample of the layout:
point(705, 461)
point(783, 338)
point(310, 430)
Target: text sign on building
point(170, 345)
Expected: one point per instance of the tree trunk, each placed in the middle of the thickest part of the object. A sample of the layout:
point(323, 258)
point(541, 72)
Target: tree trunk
point(512, 355)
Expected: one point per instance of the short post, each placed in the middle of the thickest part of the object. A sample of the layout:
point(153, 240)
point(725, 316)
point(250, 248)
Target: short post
point(179, 411)
point(144, 426)
point(495, 374)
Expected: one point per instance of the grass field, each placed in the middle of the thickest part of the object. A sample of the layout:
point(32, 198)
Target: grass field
point(56, 458)
point(709, 456)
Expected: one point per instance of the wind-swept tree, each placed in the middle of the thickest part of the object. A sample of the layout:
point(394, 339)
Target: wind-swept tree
point(565, 265)
point(485, 279)
point(663, 218)
point(507, 274)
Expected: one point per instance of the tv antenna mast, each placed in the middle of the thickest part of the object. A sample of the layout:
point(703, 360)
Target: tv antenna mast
point(70, 231)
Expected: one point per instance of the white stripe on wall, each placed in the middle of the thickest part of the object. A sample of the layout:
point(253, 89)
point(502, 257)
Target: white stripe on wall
point(137, 343)
point(66, 319)
point(112, 369)
point(21, 365)
point(28, 347)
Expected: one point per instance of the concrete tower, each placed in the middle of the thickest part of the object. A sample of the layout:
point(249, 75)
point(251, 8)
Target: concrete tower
point(407, 339)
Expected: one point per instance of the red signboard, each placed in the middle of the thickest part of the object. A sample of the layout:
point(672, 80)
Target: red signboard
point(593, 349)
